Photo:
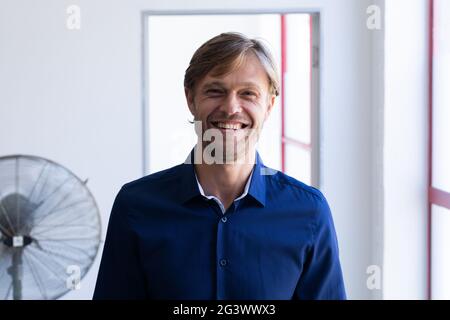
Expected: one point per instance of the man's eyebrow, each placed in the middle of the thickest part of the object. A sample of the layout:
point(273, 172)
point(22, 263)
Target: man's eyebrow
point(221, 84)
point(213, 84)
point(250, 84)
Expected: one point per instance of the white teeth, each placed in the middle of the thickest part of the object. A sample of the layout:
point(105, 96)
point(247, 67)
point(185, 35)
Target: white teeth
point(233, 126)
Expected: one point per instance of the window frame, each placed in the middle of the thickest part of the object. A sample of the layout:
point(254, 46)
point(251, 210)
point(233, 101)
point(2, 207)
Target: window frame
point(313, 146)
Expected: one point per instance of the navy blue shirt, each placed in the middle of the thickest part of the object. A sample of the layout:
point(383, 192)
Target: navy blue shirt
point(167, 241)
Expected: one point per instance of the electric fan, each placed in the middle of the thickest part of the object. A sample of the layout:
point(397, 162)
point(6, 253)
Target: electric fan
point(49, 226)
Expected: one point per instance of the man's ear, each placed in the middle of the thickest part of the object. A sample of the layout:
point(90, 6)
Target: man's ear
point(270, 104)
point(190, 100)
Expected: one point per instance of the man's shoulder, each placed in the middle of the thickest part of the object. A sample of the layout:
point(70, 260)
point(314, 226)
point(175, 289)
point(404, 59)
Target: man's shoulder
point(156, 181)
point(303, 198)
point(283, 181)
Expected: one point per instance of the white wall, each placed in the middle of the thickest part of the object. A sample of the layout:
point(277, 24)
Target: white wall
point(377, 151)
point(346, 135)
point(75, 97)
point(405, 149)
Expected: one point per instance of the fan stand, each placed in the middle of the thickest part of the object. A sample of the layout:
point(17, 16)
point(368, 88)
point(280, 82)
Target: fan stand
point(16, 273)
point(17, 244)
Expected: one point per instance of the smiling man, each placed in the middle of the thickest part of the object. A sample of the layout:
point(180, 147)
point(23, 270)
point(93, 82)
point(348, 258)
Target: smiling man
point(222, 225)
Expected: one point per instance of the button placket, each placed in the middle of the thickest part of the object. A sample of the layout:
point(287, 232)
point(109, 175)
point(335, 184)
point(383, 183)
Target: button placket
point(221, 260)
point(222, 257)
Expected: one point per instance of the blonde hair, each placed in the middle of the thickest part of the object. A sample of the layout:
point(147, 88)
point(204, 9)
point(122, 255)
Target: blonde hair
point(227, 52)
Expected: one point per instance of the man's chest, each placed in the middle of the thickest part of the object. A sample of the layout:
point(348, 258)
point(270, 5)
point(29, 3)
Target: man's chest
point(220, 253)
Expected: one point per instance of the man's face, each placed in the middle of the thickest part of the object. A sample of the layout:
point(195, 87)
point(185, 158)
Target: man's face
point(236, 104)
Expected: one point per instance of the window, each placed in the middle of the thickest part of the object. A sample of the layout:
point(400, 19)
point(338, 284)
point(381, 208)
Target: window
point(288, 141)
point(439, 191)
point(296, 102)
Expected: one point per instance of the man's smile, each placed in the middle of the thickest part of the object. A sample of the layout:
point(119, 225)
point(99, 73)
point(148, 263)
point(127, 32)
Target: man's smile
point(229, 125)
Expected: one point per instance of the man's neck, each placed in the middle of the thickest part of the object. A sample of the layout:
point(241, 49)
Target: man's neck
point(224, 181)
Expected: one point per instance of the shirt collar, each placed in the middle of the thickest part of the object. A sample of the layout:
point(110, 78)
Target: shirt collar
point(247, 185)
point(189, 187)
point(257, 187)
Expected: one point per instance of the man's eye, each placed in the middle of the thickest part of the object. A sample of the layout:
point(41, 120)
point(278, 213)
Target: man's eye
point(249, 93)
point(213, 92)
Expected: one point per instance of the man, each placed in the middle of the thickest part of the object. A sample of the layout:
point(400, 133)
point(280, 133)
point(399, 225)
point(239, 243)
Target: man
point(222, 225)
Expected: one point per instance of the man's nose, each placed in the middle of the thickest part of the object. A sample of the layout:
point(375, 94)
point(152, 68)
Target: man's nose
point(231, 104)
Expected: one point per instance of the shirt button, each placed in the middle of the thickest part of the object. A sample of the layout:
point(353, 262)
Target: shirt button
point(223, 262)
point(224, 219)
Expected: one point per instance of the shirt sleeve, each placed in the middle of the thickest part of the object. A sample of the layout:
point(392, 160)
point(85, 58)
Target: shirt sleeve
point(120, 275)
point(321, 277)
